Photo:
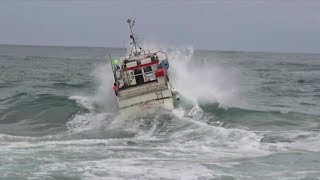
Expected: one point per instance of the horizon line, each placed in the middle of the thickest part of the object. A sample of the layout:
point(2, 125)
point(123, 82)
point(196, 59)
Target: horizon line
point(214, 50)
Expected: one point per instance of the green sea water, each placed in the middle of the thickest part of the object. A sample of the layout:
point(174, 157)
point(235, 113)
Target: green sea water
point(241, 116)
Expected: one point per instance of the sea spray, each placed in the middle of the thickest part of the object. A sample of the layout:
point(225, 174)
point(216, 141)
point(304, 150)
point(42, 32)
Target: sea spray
point(202, 80)
point(101, 104)
point(104, 96)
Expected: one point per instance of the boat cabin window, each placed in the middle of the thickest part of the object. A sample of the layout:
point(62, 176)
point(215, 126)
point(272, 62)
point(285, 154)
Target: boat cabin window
point(139, 76)
point(147, 69)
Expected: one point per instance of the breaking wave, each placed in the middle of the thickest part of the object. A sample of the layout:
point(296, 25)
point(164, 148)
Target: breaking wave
point(75, 129)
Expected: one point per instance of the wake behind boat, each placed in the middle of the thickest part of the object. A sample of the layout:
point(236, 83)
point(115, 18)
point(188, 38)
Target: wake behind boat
point(141, 78)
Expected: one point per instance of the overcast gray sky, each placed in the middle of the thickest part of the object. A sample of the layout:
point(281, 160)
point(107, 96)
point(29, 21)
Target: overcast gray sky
point(270, 25)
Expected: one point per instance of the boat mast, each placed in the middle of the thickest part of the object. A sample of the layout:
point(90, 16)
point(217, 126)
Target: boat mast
point(134, 42)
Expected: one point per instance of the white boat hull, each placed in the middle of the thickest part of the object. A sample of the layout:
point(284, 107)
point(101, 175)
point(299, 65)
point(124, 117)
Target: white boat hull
point(149, 107)
point(153, 104)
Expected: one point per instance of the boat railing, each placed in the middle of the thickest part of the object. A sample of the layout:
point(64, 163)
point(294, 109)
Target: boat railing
point(126, 79)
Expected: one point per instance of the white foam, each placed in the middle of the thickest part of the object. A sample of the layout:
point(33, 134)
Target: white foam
point(104, 96)
point(202, 137)
point(301, 140)
point(142, 169)
point(202, 79)
point(101, 104)
point(87, 121)
point(85, 102)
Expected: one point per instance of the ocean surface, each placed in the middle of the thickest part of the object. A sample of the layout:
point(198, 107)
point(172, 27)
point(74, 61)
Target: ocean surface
point(242, 116)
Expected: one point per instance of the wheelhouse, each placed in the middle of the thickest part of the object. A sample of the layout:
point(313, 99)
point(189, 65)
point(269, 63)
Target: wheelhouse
point(139, 70)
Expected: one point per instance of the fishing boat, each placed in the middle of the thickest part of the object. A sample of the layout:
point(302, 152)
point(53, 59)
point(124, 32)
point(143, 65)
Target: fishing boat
point(141, 78)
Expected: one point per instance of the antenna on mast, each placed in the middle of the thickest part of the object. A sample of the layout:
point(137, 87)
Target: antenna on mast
point(134, 42)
